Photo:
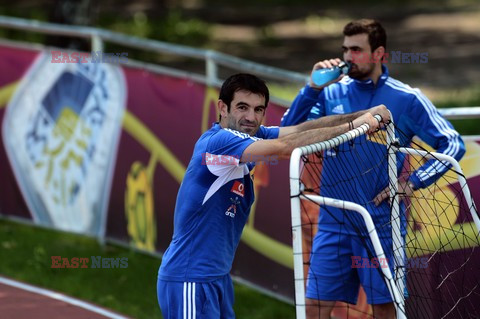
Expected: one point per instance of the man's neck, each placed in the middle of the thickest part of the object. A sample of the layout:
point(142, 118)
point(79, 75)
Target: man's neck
point(376, 74)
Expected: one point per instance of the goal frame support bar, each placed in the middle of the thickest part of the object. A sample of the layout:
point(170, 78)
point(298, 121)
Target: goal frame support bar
point(398, 242)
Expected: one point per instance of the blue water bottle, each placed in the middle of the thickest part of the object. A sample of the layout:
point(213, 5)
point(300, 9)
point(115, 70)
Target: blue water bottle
point(321, 77)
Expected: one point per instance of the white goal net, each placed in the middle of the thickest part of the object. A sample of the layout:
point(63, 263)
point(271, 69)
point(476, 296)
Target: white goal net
point(425, 247)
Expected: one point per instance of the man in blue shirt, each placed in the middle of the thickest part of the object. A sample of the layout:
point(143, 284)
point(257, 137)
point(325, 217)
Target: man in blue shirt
point(216, 194)
point(331, 276)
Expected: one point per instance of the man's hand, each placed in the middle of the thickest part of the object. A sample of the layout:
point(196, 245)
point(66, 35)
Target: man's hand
point(367, 118)
point(325, 64)
point(382, 111)
point(404, 191)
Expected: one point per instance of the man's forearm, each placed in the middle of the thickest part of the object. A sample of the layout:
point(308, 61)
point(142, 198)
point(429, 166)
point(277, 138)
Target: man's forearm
point(312, 136)
point(283, 146)
point(329, 121)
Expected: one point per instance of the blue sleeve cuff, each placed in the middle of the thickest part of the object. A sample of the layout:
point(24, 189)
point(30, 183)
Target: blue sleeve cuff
point(416, 181)
point(310, 92)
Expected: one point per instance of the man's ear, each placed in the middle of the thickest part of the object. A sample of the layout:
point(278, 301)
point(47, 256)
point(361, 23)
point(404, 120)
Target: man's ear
point(378, 53)
point(222, 108)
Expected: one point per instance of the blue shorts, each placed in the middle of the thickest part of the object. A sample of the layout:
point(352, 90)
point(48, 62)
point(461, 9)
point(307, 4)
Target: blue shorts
point(340, 263)
point(196, 300)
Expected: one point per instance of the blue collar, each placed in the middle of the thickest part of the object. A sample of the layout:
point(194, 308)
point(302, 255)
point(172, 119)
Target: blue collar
point(369, 85)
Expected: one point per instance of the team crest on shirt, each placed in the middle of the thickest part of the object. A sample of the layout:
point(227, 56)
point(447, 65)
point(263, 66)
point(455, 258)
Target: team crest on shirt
point(238, 188)
point(232, 209)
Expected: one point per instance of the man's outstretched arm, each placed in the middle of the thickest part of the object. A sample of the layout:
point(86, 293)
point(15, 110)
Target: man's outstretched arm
point(284, 146)
point(334, 120)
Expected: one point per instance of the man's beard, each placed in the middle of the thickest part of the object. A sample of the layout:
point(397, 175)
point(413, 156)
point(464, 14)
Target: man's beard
point(355, 73)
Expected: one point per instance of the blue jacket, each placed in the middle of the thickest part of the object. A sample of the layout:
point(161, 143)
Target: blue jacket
point(413, 114)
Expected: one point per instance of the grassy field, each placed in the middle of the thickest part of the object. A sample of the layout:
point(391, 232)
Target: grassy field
point(26, 251)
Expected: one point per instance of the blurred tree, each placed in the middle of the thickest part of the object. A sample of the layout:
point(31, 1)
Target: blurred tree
point(76, 12)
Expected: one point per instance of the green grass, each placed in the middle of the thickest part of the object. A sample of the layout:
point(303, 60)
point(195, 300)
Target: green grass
point(25, 254)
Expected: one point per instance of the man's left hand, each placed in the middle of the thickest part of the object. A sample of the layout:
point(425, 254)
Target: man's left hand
point(404, 190)
point(382, 111)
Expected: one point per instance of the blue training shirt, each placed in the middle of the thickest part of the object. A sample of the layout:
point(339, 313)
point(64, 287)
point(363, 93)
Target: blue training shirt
point(413, 114)
point(212, 206)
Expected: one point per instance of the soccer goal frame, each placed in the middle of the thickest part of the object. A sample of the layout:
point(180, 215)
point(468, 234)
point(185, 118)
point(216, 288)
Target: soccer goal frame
point(395, 281)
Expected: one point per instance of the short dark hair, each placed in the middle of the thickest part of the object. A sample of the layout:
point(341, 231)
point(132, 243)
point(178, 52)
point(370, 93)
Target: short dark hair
point(376, 33)
point(242, 81)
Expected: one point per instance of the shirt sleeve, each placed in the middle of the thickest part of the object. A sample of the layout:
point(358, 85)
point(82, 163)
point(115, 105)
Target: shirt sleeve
point(229, 144)
point(299, 111)
point(268, 132)
point(436, 131)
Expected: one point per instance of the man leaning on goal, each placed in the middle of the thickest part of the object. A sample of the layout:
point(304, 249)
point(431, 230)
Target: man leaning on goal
point(367, 83)
point(216, 194)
